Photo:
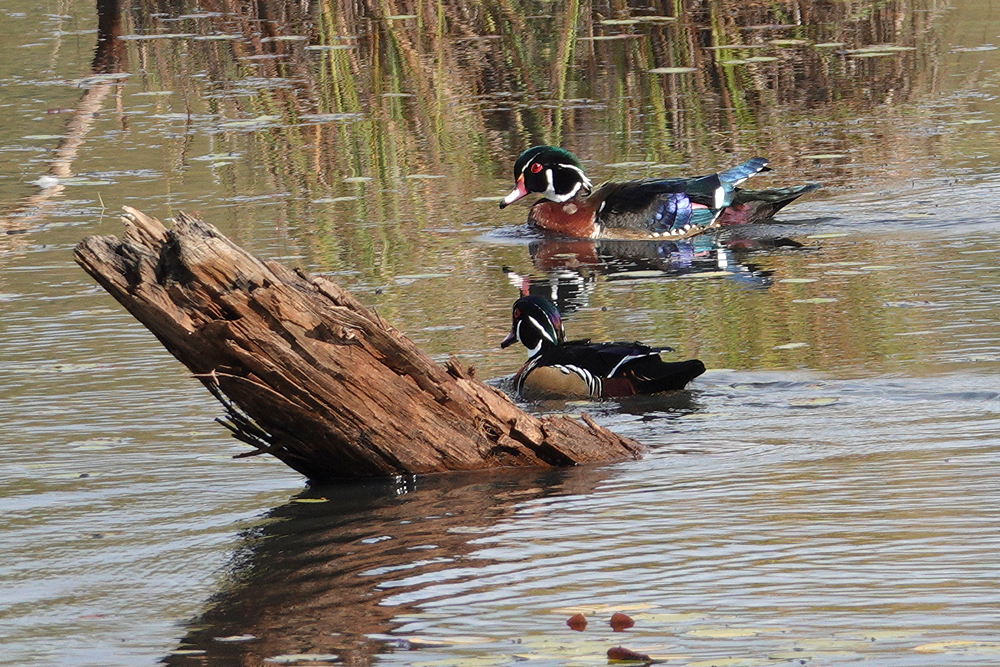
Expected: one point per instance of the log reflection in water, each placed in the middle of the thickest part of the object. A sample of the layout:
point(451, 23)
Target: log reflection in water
point(313, 577)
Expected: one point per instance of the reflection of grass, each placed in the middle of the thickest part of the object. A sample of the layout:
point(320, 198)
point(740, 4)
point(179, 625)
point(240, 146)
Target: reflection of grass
point(459, 90)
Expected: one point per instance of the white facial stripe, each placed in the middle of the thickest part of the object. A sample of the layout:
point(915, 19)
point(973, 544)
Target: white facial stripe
point(550, 191)
point(583, 177)
point(720, 197)
point(541, 329)
point(532, 351)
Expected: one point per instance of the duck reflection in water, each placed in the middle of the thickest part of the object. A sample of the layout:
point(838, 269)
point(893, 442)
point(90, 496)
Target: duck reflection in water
point(566, 270)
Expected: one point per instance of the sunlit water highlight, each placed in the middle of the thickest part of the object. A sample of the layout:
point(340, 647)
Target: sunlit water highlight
point(827, 493)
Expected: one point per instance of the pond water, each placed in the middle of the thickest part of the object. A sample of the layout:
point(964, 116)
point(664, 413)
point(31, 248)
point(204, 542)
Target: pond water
point(826, 494)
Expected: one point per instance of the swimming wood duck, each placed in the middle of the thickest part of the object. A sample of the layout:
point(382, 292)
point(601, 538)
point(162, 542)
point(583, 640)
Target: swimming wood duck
point(581, 369)
point(664, 208)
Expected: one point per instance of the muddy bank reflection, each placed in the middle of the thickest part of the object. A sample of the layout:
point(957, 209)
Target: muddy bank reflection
point(313, 577)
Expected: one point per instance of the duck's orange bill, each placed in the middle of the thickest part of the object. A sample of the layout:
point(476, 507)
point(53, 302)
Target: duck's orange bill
point(515, 194)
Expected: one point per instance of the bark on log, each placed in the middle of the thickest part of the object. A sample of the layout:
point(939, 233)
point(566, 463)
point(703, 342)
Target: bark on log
point(311, 376)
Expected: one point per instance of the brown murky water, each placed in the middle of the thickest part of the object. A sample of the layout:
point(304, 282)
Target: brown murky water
point(826, 494)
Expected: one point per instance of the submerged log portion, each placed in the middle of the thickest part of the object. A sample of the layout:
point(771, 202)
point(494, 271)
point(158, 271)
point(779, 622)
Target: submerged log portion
point(311, 376)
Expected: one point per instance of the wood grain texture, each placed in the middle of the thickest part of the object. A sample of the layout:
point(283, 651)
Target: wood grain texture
point(311, 376)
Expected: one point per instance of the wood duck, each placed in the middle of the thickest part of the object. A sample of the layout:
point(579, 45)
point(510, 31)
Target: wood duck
point(581, 369)
point(664, 208)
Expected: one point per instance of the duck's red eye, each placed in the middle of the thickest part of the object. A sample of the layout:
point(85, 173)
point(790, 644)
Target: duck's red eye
point(535, 168)
point(517, 313)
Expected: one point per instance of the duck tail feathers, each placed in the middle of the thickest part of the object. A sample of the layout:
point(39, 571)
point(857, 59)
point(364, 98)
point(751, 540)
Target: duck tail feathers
point(741, 172)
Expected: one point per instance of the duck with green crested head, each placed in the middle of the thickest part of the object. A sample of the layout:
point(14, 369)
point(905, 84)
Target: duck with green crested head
point(658, 208)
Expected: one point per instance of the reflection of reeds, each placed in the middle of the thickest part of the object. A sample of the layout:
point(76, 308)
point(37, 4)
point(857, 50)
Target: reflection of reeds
point(452, 90)
point(394, 116)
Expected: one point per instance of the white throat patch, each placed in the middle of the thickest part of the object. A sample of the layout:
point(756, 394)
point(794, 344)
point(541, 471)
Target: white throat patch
point(550, 190)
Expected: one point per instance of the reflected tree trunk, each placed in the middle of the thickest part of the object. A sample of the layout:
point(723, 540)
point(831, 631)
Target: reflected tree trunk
point(109, 58)
point(324, 577)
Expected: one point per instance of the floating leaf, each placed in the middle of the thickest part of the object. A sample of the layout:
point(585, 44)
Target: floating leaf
point(708, 274)
point(831, 235)
point(250, 122)
point(657, 19)
point(672, 70)
point(417, 641)
point(310, 500)
point(958, 645)
point(215, 157)
point(328, 117)
point(333, 200)
point(619, 21)
point(407, 279)
point(292, 658)
point(236, 638)
point(791, 655)
point(628, 165)
point(742, 47)
point(762, 59)
point(878, 267)
point(357, 179)
point(620, 621)
point(816, 402)
point(968, 49)
point(634, 275)
point(824, 156)
point(467, 530)
point(679, 617)
point(790, 346)
point(175, 35)
point(620, 653)
point(724, 633)
point(601, 609)
point(797, 281)
point(789, 42)
point(213, 38)
point(400, 17)
point(818, 299)
point(907, 304)
point(828, 45)
point(45, 137)
point(729, 662)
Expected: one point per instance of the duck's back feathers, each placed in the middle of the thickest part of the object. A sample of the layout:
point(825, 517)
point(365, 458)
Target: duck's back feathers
point(603, 370)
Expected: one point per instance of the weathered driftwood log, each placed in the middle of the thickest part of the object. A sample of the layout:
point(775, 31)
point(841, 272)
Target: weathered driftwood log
point(311, 376)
